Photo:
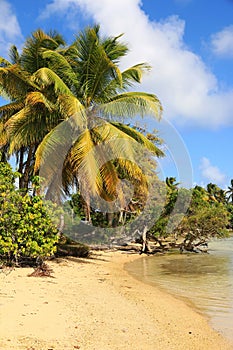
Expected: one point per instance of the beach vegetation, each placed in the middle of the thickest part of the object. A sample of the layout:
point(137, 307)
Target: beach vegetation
point(69, 124)
point(27, 231)
point(207, 217)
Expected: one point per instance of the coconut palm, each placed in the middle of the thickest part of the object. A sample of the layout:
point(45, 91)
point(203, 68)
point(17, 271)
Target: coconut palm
point(23, 124)
point(90, 68)
point(70, 103)
point(229, 192)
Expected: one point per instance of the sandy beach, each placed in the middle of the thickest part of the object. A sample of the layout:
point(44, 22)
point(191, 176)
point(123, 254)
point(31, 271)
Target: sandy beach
point(95, 304)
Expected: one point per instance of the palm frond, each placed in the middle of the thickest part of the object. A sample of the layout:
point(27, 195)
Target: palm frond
point(139, 137)
point(54, 147)
point(36, 97)
point(134, 74)
point(114, 48)
point(110, 181)
point(94, 66)
point(71, 107)
point(4, 62)
point(86, 163)
point(60, 65)
point(131, 104)
point(14, 54)
point(57, 37)
point(14, 81)
point(128, 78)
point(13, 129)
point(117, 143)
point(3, 135)
point(131, 169)
point(45, 77)
point(29, 126)
point(124, 144)
point(10, 109)
point(31, 57)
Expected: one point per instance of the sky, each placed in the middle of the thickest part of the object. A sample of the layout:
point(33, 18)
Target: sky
point(189, 45)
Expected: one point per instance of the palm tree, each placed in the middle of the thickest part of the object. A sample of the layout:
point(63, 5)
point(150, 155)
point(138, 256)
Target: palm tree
point(215, 193)
point(221, 196)
point(171, 183)
point(229, 192)
point(100, 89)
point(66, 101)
point(28, 101)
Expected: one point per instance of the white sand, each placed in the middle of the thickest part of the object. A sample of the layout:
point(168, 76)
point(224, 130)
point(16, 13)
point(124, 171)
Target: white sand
point(95, 305)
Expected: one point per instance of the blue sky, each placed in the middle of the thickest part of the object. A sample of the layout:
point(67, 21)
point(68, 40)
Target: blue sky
point(189, 44)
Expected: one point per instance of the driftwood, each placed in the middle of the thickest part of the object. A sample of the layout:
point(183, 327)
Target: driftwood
point(154, 246)
point(43, 270)
point(76, 250)
point(145, 244)
point(129, 247)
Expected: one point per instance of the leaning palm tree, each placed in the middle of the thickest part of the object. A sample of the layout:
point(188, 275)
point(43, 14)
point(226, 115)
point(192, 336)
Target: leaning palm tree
point(70, 114)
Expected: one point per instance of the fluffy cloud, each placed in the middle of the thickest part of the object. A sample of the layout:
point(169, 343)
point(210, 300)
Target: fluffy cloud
point(212, 173)
point(9, 27)
point(57, 6)
point(189, 91)
point(222, 42)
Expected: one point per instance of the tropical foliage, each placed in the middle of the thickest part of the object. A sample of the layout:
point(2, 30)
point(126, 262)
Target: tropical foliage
point(27, 231)
point(167, 224)
point(65, 101)
point(207, 217)
point(70, 122)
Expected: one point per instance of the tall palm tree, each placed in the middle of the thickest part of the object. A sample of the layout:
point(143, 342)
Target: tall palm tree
point(28, 101)
point(67, 101)
point(229, 192)
point(90, 68)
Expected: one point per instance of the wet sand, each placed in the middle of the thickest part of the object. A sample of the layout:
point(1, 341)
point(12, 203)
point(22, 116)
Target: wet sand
point(95, 304)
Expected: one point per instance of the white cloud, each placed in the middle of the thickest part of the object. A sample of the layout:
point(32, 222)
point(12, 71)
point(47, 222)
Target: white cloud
point(58, 6)
point(212, 173)
point(222, 42)
point(9, 27)
point(189, 91)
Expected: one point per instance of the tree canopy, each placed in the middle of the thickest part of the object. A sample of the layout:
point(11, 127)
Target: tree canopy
point(70, 120)
point(67, 100)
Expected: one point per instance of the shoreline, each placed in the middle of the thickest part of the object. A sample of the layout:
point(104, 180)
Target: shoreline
point(184, 299)
point(95, 304)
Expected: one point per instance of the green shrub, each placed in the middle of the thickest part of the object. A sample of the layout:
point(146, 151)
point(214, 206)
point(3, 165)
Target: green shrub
point(26, 228)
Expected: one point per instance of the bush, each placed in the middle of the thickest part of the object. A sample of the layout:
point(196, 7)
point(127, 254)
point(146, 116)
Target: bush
point(26, 229)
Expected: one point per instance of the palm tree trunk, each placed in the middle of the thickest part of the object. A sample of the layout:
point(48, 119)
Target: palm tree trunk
point(20, 168)
point(61, 226)
point(87, 210)
point(110, 218)
point(26, 171)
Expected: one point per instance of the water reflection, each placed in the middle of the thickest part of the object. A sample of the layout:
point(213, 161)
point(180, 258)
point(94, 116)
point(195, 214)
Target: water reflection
point(205, 279)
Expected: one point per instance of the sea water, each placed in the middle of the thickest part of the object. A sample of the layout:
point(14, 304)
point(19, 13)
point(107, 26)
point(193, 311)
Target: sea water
point(205, 279)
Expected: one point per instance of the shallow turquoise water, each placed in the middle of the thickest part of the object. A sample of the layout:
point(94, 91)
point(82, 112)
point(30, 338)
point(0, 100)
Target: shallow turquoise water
point(204, 279)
